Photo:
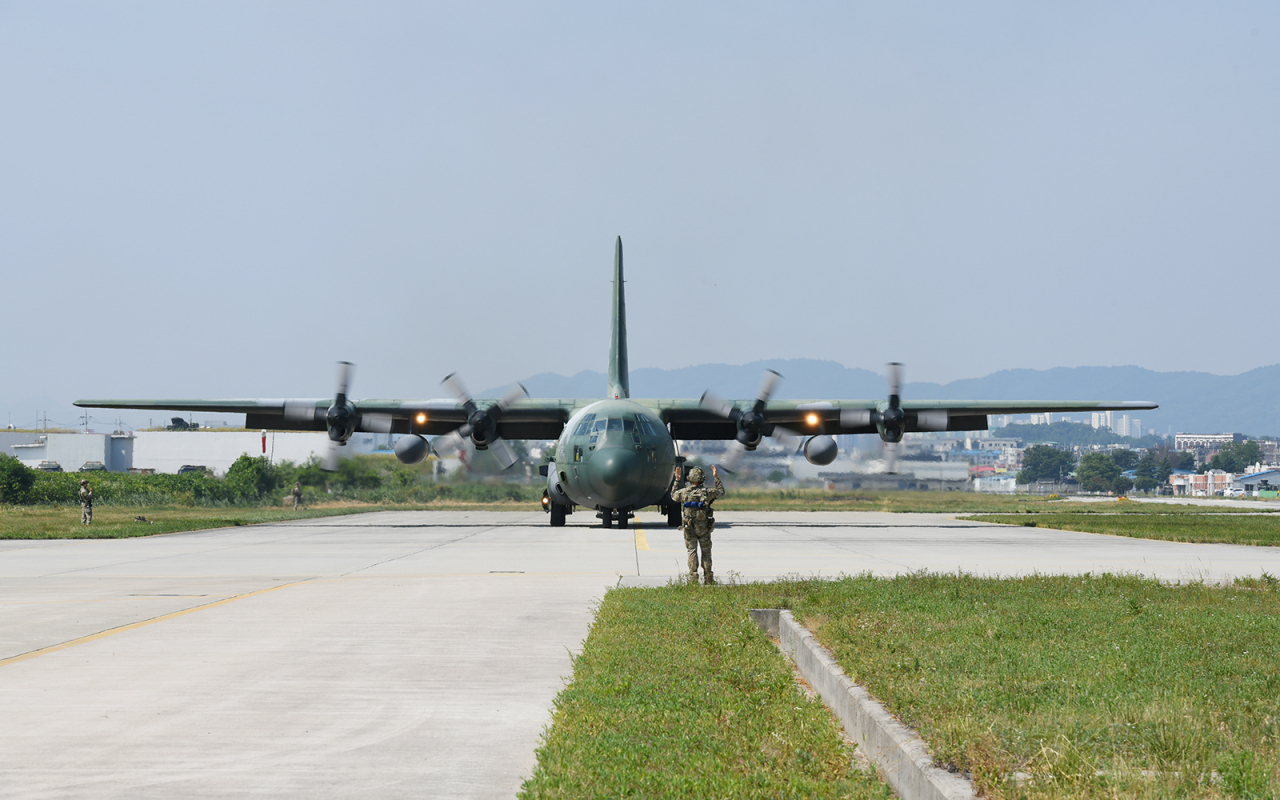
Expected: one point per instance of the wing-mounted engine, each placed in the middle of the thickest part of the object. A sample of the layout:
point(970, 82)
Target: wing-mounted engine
point(341, 419)
point(752, 423)
point(891, 420)
point(481, 426)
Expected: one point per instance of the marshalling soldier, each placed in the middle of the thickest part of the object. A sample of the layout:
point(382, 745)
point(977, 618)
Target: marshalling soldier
point(86, 502)
point(696, 520)
point(297, 495)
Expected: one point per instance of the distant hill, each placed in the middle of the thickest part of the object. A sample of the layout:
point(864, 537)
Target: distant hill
point(1189, 401)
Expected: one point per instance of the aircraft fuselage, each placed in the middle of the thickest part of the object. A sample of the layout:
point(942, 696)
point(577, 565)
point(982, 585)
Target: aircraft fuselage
point(613, 454)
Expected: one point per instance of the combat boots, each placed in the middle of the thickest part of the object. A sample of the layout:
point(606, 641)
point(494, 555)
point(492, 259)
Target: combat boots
point(708, 579)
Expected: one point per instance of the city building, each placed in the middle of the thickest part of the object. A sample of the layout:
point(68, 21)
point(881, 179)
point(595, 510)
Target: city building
point(1205, 445)
point(1255, 482)
point(1214, 482)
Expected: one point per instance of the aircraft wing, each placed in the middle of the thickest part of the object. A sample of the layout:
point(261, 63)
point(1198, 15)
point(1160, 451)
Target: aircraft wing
point(689, 419)
point(523, 419)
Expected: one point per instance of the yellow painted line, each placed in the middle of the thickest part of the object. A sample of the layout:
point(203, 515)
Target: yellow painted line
point(133, 625)
point(641, 542)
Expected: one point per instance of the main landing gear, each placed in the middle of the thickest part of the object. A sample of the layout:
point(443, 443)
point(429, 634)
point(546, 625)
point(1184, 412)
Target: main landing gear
point(558, 513)
point(673, 517)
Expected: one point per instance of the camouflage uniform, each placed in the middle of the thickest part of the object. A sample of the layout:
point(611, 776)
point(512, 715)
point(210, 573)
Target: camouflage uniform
point(297, 495)
point(86, 503)
point(695, 502)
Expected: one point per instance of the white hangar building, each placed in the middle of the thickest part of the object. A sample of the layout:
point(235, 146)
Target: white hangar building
point(166, 451)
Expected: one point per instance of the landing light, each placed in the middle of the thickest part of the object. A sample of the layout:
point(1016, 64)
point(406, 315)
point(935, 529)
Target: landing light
point(546, 501)
point(422, 418)
point(812, 419)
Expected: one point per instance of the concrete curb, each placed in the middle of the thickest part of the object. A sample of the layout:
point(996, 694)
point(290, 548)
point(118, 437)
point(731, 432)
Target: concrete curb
point(901, 756)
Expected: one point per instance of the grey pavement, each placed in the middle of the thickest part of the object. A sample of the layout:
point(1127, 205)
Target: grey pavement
point(396, 654)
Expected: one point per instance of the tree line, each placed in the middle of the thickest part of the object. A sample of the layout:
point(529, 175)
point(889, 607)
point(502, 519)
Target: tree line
point(1102, 472)
point(255, 482)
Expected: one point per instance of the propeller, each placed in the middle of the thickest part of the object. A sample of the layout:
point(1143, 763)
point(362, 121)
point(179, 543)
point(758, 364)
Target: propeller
point(891, 420)
point(341, 418)
point(752, 423)
point(481, 426)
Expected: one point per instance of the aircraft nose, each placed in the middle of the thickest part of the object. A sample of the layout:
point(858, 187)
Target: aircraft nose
point(616, 466)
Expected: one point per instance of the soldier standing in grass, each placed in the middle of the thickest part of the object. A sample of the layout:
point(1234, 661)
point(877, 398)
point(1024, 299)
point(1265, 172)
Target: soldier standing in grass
point(86, 502)
point(695, 519)
point(297, 496)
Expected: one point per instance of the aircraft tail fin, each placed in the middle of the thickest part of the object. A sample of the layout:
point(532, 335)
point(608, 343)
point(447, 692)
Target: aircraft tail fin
point(619, 385)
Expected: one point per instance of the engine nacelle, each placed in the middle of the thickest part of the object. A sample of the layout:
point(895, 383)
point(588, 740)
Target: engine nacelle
point(412, 449)
point(821, 450)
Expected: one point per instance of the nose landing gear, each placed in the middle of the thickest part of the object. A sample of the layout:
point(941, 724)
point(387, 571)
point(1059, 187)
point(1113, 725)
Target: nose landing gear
point(608, 516)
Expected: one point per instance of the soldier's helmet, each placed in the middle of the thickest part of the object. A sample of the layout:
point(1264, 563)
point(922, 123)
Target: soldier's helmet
point(696, 475)
point(84, 481)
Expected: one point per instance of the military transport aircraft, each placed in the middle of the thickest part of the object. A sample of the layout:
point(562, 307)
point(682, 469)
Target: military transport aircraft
point(613, 455)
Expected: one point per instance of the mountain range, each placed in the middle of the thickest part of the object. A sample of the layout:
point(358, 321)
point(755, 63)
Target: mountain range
point(1197, 402)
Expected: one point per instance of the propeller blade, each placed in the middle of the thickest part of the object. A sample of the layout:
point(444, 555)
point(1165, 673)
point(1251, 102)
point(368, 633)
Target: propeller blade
point(345, 370)
point(891, 457)
point(517, 393)
point(732, 455)
point(787, 438)
point(302, 411)
point(855, 417)
point(332, 456)
point(768, 383)
point(454, 384)
point(376, 423)
point(502, 452)
point(717, 405)
point(894, 373)
point(449, 442)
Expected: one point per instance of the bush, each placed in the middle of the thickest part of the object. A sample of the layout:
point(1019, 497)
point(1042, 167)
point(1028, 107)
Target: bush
point(15, 480)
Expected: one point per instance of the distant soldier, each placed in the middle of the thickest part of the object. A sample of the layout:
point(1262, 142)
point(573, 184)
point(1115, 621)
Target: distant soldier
point(297, 496)
point(86, 502)
point(696, 520)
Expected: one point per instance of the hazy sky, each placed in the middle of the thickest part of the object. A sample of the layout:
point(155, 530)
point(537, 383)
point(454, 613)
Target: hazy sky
point(222, 199)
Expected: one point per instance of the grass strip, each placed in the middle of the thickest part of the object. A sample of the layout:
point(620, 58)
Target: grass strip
point(1093, 686)
point(1253, 529)
point(949, 503)
point(677, 694)
point(118, 522)
point(1039, 687)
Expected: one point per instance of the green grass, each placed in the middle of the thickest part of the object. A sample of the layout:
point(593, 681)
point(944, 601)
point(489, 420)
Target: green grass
point(117, 522)
point(63, 522)
point(1062, 678)
point(944, 502)
point(1178, 527)
point(1041, 687)
point(677, 694)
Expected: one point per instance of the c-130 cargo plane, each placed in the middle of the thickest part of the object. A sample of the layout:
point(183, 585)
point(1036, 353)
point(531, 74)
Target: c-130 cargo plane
point(618, 454)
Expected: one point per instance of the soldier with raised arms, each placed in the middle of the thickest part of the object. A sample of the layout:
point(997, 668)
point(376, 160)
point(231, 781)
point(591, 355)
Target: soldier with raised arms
point(695, 518)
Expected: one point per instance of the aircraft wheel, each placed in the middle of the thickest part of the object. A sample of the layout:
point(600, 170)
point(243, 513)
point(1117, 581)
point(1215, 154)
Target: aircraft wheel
point(606, 517)
point(673, 516)
point(622, 518)
point(557, 515)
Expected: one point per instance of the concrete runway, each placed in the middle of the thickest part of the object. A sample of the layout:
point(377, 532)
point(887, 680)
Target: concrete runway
point(396, 654)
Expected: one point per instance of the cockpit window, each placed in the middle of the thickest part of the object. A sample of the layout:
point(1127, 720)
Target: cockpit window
point(584, 425)
point(598, 426)
point(643, 424)
point(629, 425)
point(615, 424)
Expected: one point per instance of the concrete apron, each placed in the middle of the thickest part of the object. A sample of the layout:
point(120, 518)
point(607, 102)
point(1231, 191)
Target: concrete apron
point(900, 755)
